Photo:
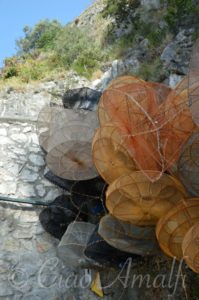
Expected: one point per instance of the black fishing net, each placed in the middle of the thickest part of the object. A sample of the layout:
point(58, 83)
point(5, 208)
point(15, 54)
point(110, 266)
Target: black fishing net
point(81, 98)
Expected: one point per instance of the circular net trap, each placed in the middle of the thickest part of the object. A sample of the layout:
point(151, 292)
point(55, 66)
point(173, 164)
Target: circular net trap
point(190, 248)
point(57, 125)
point(111, 159)
point(72, 160)
point(172, 227)
point(66, 136)
point(134, 198)
point(128, 237)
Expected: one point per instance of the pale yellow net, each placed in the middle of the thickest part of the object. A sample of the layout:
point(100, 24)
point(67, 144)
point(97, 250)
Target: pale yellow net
point(134, 198)
point(172, 227)
point(190, 248)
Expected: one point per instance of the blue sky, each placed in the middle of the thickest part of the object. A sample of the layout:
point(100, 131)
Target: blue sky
point(15, 14)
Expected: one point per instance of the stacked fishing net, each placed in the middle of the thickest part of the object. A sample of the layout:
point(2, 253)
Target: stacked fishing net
point(147, 150)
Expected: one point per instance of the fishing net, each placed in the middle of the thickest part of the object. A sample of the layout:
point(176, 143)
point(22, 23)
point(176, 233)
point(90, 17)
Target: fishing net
point(115, 83)
point(44, 119)
point(58, 215)
point(173, 226)
point(72, 160)
point(128, 237)
point(81, 98)
point(161, 90)
point(121, 80)
point(83, 202)
point(88, 197)
point(153, 121)
point(188, 165)
point(179, 126)
point(73, 243)
point(190, 248)
point(111, 159)
point(100, 251)
point(79, 132)
point(57, 125)
point(50, 120)
point(134, 198)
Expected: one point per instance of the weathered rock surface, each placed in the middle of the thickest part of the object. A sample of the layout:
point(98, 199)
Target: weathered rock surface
point(176, 55)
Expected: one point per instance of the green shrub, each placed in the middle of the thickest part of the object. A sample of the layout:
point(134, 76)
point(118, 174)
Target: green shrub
point(177, 12)
point(87, 62)
point(71, 42)
point(120, 9)
point(10, 67)
point(155, 37)
point(32, 70)
point(10, 72)
point(152, 71)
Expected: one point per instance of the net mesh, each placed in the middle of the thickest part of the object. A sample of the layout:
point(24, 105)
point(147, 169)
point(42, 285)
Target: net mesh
point(154, 121)
point(104, 254)
point(128, 237)
point(111, 159)
point(172, 227)
point(134, 198)
point(72, 160)
point(66, 136)
point(188, 165)
point(88, 198)
point(73, 243)
point(56, 125)
point(190, 247)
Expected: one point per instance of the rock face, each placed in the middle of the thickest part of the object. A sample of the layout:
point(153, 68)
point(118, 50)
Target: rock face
point(151, 4)
point(118, 68)
point(90, 14)
point(176, 55)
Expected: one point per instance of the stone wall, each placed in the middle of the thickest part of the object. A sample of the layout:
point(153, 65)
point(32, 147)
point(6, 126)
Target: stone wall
point(29, 266)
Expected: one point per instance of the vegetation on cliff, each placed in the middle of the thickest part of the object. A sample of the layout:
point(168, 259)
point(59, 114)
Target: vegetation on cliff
point(50, 47)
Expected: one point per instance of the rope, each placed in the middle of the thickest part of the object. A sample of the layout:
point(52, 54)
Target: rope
point(27, 201)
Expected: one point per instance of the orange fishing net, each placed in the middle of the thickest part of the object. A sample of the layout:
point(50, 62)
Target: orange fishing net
point(154, 121)
point(136, 199)
point(110, 157)
point(190, 248)
point(172, 227)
